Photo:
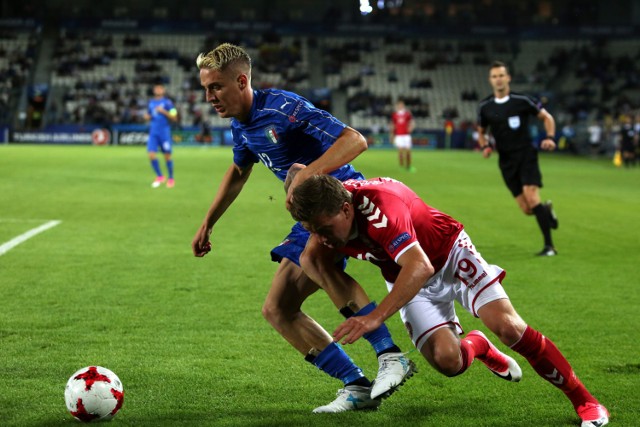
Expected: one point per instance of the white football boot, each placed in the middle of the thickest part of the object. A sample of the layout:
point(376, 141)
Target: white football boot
point(350, 398)
point(394, 370)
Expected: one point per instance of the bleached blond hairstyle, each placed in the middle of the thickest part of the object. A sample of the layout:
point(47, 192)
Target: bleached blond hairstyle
point(224, 56)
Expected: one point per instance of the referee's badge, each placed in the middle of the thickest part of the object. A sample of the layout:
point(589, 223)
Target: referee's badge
point(514, 122)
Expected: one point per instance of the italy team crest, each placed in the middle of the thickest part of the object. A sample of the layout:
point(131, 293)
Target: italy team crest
point(271, 133)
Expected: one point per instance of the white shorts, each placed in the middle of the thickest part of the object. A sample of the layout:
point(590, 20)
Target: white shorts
point(402, 141)
point(467, 278)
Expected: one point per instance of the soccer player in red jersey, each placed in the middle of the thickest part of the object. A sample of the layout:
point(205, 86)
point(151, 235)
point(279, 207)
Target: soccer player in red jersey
point(428, 261)
point(402, 124)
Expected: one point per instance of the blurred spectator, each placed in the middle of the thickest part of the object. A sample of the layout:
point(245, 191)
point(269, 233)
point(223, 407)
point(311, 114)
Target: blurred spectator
point(595, 138)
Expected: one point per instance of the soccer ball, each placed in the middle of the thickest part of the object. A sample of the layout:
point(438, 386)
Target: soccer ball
point(94, 393)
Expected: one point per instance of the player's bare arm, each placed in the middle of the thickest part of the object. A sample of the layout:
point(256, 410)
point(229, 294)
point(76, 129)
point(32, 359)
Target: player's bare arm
point(171, 115)
point(484, 143)
point(415, 270)
point(347, 147)
point(231, 185)
point(550, 128)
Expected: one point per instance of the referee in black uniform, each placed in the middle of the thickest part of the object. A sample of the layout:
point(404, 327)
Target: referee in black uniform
point(507, 114)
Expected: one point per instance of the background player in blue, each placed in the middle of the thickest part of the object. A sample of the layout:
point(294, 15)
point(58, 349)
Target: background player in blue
point(160, 113)
point(279, 129)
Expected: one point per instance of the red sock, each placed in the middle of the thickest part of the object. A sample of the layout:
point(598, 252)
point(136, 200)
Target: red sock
point(479, 344)
point(468, 353)
point(551, 365)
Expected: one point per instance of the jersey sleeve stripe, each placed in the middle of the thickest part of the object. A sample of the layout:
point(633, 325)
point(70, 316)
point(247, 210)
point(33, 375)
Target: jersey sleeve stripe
point(527, 99)
point(406, 248)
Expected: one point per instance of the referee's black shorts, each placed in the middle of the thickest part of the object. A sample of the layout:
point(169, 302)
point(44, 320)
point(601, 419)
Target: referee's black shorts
point(520, 168)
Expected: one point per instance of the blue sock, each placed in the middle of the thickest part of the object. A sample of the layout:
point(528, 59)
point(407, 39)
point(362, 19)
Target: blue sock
point(335, 362)
point(156, 167)
point(380, 339)
point(170, 168)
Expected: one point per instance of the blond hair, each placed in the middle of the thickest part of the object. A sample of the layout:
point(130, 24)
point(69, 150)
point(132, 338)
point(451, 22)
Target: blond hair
point(224, 56)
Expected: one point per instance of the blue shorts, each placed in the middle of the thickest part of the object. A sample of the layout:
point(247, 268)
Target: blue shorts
point(293, 245)
point(159, 141)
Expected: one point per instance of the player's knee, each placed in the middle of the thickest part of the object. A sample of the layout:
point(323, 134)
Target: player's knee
point(272, 313)
point(281, 310)
point(312, 265)
point(268, 312)
point(510, 330)
point(306, 261)
point(447, 360)
point(524, 207)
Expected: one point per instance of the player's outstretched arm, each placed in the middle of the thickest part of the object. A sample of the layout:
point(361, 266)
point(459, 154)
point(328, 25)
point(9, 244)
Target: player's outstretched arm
point(170, 114)
point(347, 147)
point(201, 244)
point(484, 143)
point(415, 270)
point(231, 185)
point(549, 123)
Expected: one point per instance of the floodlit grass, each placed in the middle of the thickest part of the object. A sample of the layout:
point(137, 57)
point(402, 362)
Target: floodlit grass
point(115, 284)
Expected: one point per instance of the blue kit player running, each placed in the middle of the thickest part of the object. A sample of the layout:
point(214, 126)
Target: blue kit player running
point(279, 129)
point(160, 113)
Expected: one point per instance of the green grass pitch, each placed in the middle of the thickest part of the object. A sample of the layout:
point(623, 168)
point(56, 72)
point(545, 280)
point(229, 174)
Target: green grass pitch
point(115, 284)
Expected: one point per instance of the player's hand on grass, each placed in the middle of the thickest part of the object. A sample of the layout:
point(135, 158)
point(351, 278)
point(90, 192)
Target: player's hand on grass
point(201, 244)
point(353, 328)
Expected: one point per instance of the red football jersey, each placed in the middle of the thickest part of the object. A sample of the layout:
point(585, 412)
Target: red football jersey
point(401, 120)
point(391, 218)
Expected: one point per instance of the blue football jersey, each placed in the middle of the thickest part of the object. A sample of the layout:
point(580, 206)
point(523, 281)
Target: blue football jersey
point(159, 123)
point(284, 128)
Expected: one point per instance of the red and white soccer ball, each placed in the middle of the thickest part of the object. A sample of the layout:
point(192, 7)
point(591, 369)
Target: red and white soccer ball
point(94, 393)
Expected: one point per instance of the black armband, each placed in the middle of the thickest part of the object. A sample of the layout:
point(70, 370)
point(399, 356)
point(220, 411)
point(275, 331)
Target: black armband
point(551, 138)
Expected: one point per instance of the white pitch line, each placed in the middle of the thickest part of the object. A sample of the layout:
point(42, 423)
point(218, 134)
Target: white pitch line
point(7, 246)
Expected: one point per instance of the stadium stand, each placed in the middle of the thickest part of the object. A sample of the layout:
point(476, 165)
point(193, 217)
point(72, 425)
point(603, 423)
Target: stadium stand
point(17, 51)
point(98, 63)
point(106, 77)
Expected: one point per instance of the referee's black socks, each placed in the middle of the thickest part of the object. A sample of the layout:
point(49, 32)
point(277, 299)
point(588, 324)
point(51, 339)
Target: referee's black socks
point(542, 216)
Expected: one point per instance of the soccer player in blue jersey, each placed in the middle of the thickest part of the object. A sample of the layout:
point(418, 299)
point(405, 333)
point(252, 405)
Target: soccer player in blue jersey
point(280, 128)
point(160, 113)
